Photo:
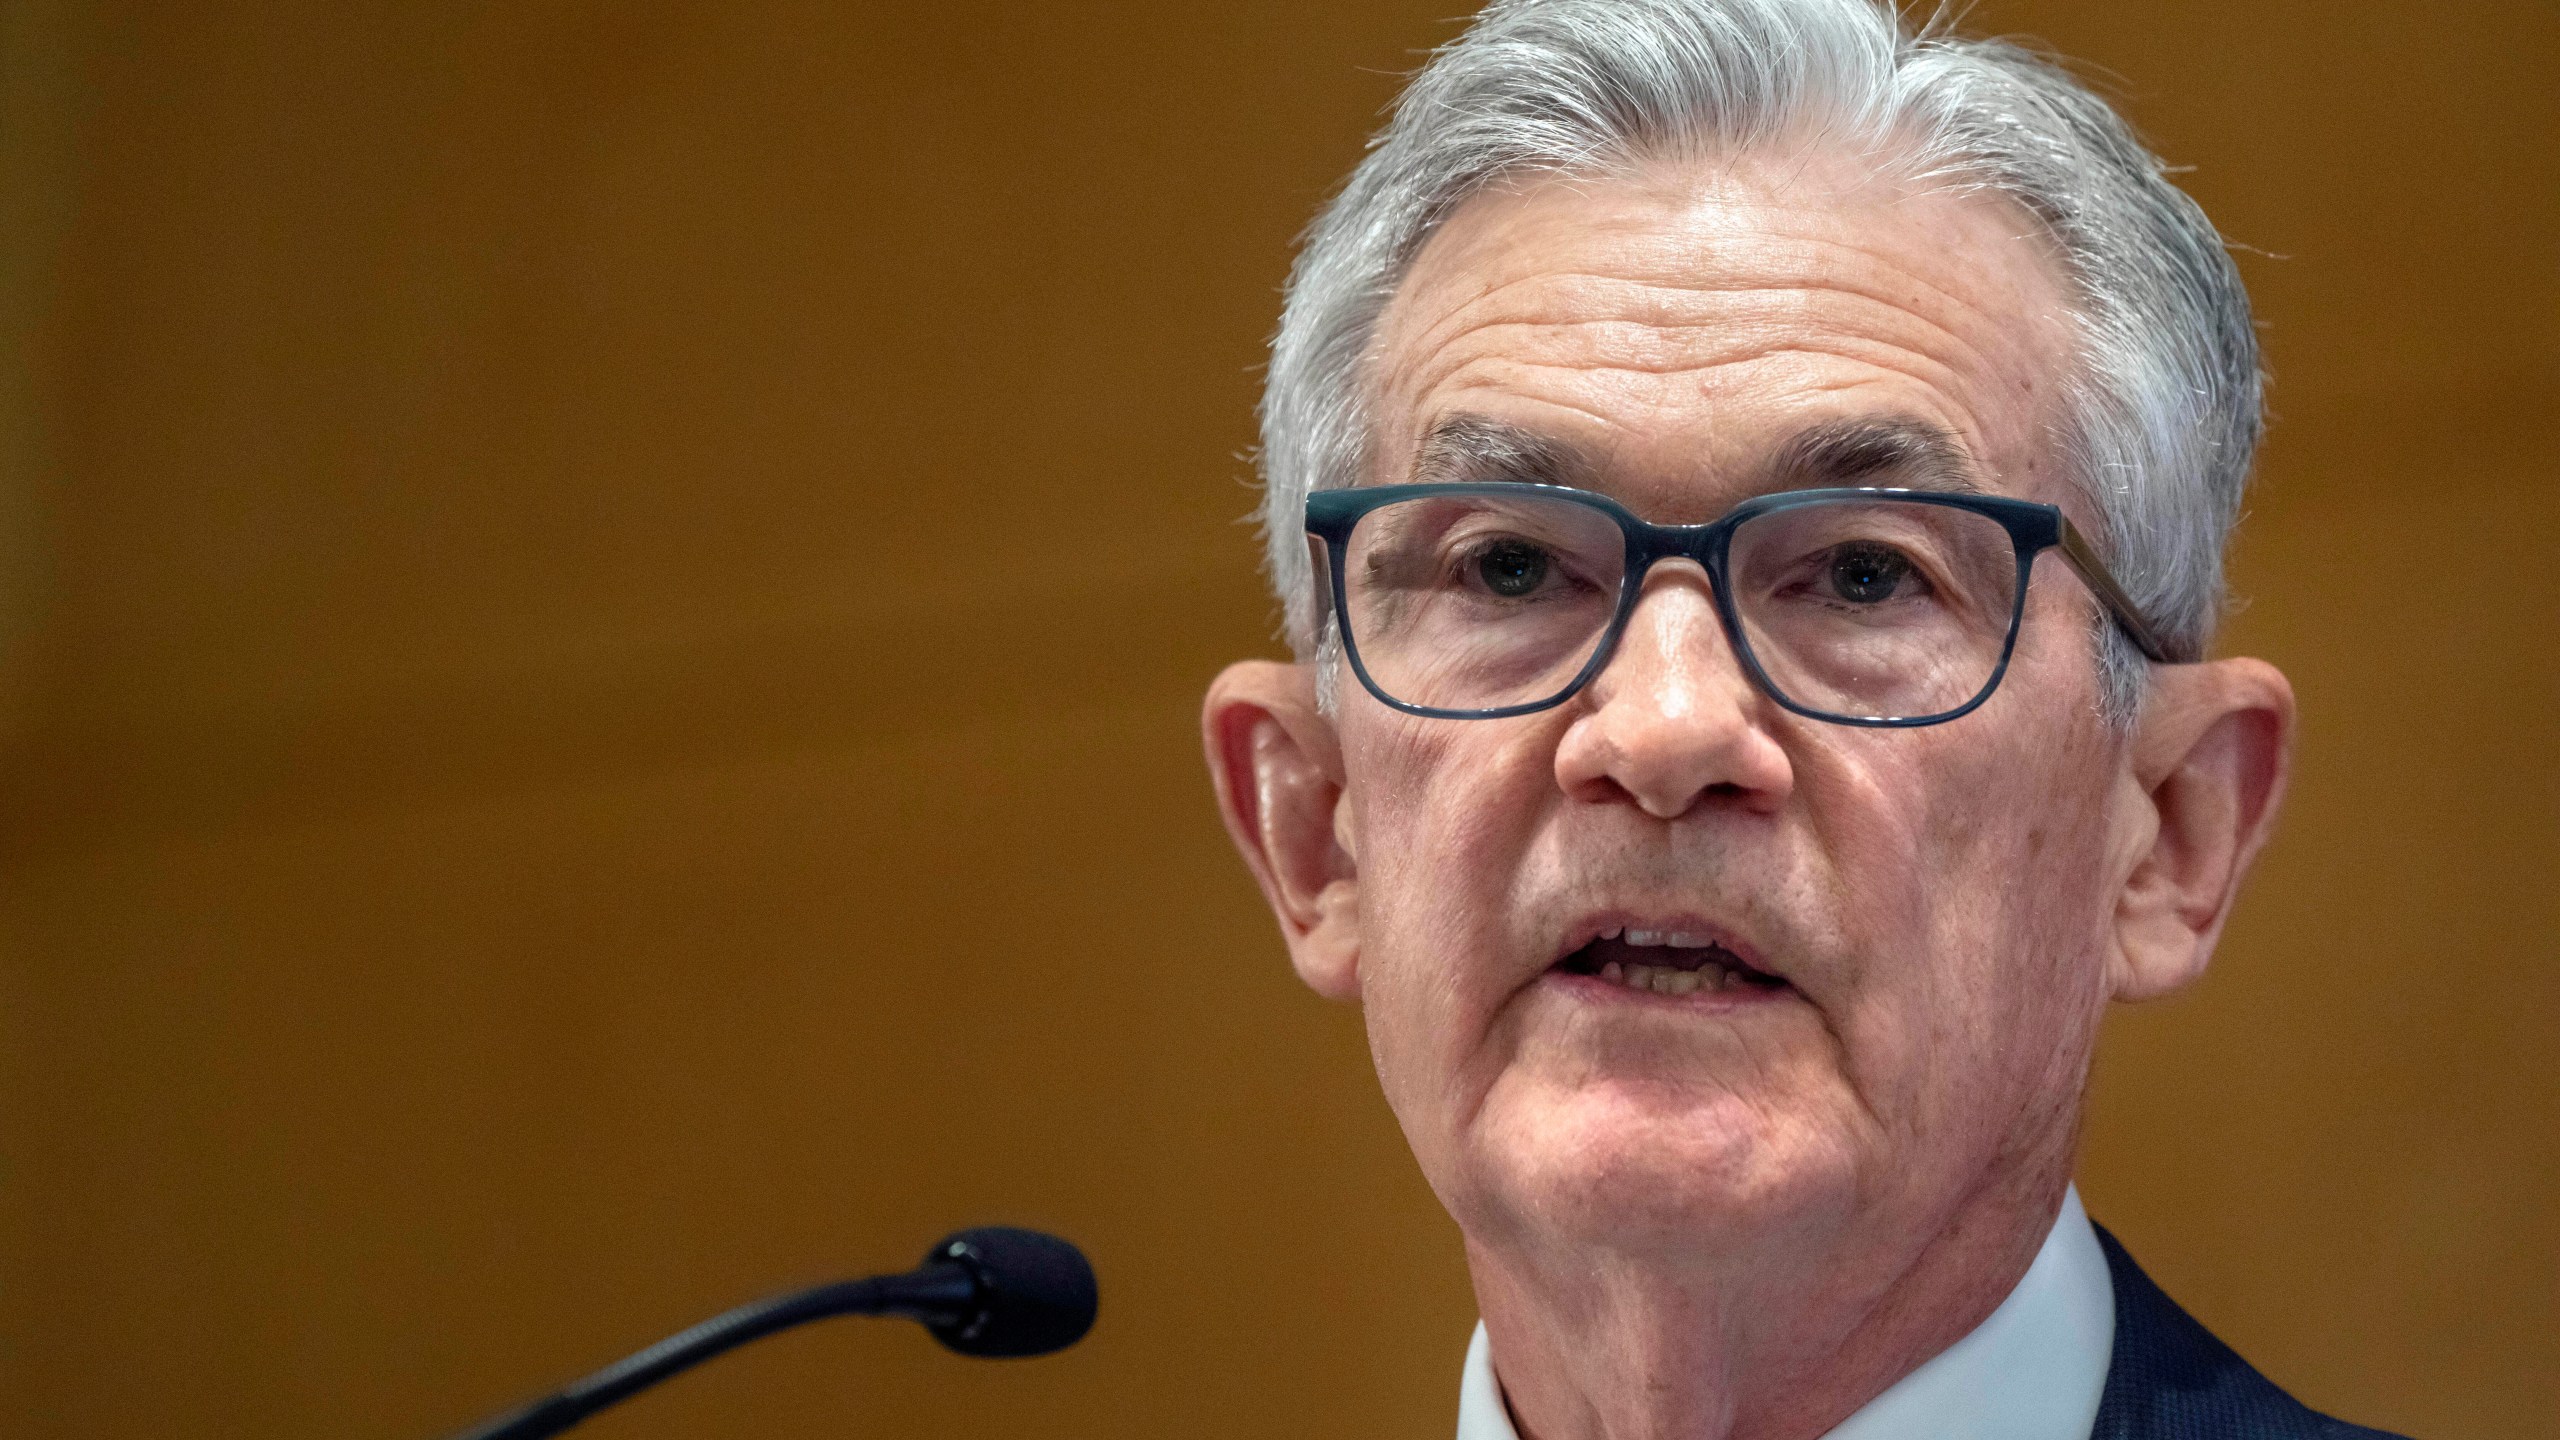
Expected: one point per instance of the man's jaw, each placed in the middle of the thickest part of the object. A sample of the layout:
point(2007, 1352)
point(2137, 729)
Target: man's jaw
point(1676, 960)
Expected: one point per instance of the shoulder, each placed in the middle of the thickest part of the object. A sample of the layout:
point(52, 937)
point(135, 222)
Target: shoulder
point(2169, 1379)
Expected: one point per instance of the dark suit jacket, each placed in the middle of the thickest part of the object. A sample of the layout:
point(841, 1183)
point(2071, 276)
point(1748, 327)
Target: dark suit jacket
point(2171, 1380)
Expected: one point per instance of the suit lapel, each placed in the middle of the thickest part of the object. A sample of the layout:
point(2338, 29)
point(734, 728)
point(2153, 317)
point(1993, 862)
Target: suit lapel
point(2169, 1379)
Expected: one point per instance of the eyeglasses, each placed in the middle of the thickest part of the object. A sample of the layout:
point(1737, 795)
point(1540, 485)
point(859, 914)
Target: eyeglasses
point(1877, 607)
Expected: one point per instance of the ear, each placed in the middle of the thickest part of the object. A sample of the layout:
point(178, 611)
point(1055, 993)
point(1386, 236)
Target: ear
point(2209, 757)
point(1278, 769)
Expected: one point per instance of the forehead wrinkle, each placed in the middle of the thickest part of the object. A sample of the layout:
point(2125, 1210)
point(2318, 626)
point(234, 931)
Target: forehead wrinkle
point(1973, 350)
point(1862, 349)
point(1836, 303)
point(1601, 420)
point(1503, 316)
point(1683, 279)
point(1737, 308)
point(1665, 256)
point(1600, 392)
point(1856, 282)
point(1499, 373)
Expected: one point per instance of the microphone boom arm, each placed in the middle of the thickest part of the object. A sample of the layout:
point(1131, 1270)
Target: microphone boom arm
point(988, 1292)
point(939, 1290)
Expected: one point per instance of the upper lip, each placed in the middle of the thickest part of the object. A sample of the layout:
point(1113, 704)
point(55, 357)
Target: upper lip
point(1687, 923)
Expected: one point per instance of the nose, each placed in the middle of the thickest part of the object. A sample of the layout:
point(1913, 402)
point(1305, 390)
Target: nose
point(1673, 720)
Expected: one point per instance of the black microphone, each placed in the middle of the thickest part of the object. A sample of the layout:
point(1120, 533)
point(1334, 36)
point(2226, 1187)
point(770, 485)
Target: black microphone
point(990, 1292)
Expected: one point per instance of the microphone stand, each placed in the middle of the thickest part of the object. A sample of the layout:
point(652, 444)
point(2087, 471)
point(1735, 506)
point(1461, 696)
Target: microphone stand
point(939, 1294)
point(991, 1292)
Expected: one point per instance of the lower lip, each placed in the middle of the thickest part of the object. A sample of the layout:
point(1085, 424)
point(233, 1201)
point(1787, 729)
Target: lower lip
point(1592, 989)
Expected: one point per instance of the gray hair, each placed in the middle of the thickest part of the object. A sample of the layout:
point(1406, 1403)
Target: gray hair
point(2162, 419)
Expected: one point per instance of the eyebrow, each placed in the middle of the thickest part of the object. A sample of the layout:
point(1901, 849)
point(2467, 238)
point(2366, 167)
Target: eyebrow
point(1905, 454)
point(1477, 448)
point(1888, 451)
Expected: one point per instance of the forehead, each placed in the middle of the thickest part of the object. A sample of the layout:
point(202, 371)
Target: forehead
point(1677, 327)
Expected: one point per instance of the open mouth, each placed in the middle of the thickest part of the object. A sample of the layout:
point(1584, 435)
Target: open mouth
point(1667, 962)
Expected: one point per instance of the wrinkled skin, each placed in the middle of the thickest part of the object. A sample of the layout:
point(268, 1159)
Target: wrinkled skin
point(1743, 1216)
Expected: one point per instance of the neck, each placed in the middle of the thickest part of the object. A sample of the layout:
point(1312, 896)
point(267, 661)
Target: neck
point(1776, 1339)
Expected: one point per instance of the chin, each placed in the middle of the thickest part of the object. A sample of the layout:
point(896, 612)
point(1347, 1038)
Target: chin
point(1653, 1168)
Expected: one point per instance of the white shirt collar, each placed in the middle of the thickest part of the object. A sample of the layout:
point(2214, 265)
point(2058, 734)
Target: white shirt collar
point(2032, 1370)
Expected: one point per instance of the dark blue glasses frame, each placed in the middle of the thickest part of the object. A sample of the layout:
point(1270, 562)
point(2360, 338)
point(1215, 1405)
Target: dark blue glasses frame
point(2033, 528)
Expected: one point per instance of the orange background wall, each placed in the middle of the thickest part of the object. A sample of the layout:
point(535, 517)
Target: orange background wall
point(600, 614)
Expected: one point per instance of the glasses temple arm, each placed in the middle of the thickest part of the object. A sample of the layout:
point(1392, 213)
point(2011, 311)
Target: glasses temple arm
point(2093, 573)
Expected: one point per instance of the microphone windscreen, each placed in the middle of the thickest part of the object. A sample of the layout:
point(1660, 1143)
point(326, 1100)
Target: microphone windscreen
point(1036, 1292)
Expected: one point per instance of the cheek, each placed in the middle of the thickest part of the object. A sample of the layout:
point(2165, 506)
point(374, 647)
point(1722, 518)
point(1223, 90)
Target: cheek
point(1442, 812)
point(1443, 816)
point(1968, 860)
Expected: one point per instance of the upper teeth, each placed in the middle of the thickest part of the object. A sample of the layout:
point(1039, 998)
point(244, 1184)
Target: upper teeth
point(1680, 938)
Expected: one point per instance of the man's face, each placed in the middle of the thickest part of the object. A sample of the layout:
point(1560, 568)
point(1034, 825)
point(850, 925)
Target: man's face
point(1901, 931)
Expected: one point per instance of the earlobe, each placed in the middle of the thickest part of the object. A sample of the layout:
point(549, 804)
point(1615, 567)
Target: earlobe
point(2209, 760)
point(1278, 771)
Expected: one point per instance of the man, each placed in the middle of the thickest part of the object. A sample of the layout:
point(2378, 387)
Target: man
point(1746, 483)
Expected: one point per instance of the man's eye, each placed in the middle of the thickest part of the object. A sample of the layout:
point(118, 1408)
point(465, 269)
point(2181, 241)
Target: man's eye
point(1868, 574)
point(1512, 568)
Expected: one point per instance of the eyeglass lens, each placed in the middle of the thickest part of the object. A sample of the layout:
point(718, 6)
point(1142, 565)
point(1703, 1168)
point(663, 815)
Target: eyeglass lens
point(1864, 608)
